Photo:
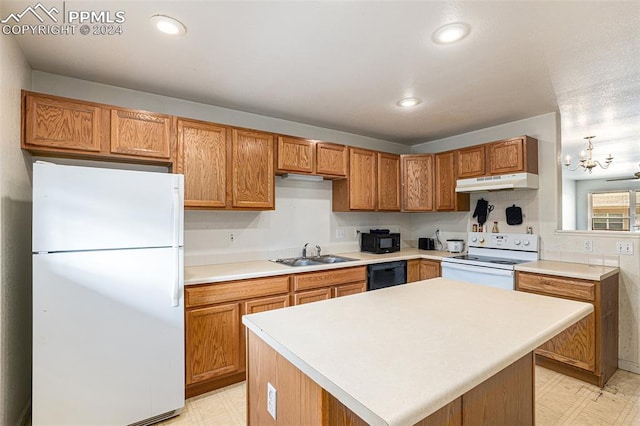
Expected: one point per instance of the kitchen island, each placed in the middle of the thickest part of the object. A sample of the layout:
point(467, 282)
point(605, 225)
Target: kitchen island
point(435, 350)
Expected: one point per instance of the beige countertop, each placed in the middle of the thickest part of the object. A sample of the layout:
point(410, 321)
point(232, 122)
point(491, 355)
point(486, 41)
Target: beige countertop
point(262, 268)
point(393, 356)
point(570, 270)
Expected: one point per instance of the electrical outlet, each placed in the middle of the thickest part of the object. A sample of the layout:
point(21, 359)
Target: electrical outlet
point(588, 245)
point(272, 397)
point(624, 247)
point(340, 234)
point(232, 237)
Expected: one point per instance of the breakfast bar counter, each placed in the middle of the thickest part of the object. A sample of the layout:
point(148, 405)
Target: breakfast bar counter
point(400, 355)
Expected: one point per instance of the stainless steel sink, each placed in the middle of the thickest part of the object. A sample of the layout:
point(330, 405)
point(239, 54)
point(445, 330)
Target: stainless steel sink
point(316, 260)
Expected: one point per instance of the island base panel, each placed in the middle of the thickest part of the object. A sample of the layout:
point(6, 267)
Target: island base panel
point(504, 399)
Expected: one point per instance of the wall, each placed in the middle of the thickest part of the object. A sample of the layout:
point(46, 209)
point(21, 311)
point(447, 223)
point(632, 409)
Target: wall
point(15, 241)
point(303, 209)
point(569, 204)
point(584, 187)
point(543, 211)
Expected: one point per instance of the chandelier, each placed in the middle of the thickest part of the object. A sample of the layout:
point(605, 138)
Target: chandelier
point(588, 163)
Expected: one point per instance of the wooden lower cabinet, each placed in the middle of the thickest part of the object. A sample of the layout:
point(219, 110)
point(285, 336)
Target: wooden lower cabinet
point(413, 270)
point(588, 350)
point(311, 296)
point(215, 339)
point(214, 335)
point(205, 360)
point(314, 286)
point(429, 269)
point(422, 269)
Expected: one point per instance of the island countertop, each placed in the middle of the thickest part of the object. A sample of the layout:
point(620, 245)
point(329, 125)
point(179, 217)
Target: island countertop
point(393, 356)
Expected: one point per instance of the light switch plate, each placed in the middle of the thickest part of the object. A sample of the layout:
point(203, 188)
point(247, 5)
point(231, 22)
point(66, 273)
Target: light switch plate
point(624, 247)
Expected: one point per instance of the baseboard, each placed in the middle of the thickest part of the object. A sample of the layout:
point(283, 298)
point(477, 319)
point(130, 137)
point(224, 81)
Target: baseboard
point(25, 415)
point(631, 366)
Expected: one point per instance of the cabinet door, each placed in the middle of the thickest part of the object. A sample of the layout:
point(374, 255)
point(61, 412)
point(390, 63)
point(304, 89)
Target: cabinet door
point(331, 159)
point(62, 124)
point(140, 133)
point(252, 165)
point(417, 182)
point(312, 296)
point(429, 269)
point(413, 270)
point(296, 155)
point(471, 162)
point(212, 342)
point(388, 182)
point(347, 289)
point(575, 346)
point(362, 179)
point(506, 156)
point(202, 158)
point(447, 199)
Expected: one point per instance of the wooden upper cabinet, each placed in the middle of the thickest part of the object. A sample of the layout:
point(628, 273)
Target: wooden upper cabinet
point(58, 123)
point(203, 151)
point(447, 199)
point(141, 133)
point(417, 182)
point(296, 155)
point(471, 162)
point(331, 159)
point(359, 190)
point(388, 182)
point(512, 156)
point(253, 173)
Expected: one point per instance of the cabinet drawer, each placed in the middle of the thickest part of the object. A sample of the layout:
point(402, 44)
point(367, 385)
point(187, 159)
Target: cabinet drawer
point(328, 278)
point(348, 289)
point(312, 296)
point(235, 290)
point(557, 286)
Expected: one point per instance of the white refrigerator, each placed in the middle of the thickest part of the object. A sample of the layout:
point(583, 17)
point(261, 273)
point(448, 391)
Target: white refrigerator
point(108, 312)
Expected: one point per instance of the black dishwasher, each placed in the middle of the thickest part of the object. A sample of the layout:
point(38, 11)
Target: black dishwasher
point(381, 275)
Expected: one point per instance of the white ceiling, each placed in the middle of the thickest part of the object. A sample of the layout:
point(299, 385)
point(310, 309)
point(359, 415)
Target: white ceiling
point(345, 64)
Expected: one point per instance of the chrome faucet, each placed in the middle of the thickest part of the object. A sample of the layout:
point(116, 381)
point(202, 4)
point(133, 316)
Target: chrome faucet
point(304, 251)
point(318, 249)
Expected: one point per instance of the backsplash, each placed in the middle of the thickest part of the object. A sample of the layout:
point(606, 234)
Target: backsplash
point(303, 214)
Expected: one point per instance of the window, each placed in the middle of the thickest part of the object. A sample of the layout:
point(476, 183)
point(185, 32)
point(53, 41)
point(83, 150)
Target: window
point(614, 211)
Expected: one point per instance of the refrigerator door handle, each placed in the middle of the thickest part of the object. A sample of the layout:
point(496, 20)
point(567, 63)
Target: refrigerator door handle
point(176, 217)
point(178, 279)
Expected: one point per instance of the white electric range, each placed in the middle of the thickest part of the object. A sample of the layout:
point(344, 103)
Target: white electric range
point(491, 258)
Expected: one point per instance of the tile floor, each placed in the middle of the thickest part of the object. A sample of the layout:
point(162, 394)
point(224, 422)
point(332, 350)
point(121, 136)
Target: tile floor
point(560, 400)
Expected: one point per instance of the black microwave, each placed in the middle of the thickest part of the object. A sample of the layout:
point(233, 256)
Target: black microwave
point(379, 243)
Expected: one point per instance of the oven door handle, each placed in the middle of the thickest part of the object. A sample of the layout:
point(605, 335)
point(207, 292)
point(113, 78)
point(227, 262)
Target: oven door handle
point(479, 269)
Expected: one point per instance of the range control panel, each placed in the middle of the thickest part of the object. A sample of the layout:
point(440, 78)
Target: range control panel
point(520, 242)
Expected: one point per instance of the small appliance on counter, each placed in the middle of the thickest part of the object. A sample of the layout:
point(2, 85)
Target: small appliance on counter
point(455, 246)
point(426, 244)
point(380, 241)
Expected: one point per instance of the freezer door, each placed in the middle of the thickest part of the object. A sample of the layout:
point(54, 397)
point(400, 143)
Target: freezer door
point(108, 342)
point(87, 208)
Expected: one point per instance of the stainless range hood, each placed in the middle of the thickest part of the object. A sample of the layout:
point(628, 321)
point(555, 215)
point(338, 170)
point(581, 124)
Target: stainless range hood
point(497, 183)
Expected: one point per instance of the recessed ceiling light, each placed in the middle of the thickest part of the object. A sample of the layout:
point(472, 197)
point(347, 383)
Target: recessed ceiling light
point(168, 25)
point(408, 102)
point(451, 33)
